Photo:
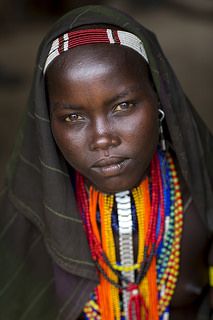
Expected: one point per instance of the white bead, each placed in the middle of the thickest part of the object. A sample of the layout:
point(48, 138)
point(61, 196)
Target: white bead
point(123, 200)
point(125, 224)
point(125, 231)
point(166, 316)
point(135, 292)
point(125, 212)
point(124, 206)
point(122, 193)
point(125, 219)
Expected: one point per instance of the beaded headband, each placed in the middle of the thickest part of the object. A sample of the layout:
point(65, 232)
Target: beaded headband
point(91, 36)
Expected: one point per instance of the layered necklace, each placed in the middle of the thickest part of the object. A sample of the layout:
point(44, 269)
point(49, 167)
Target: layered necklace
point(136, 282)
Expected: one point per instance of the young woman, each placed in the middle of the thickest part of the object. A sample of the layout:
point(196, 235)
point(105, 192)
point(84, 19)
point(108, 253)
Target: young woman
point(107, 209)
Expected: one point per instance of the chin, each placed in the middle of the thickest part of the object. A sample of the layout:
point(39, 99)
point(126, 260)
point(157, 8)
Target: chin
point(112, 190)
point(112, 186)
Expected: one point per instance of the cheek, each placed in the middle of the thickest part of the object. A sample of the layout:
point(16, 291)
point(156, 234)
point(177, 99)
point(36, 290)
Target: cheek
point(70, 144)
point(146, 138)
point(142, 130)
point(145, 143)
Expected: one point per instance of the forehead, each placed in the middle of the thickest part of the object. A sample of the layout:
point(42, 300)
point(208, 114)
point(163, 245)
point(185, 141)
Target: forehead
point(98, 56)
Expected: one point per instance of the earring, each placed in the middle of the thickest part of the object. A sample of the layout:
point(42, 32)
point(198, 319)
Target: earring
point(162, 139)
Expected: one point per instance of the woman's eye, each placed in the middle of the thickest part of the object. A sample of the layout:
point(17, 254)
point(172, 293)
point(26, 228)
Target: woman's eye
point(124, 106)
point(73, 117)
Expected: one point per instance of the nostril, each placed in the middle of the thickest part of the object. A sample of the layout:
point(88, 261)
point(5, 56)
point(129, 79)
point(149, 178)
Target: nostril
point(104, 142)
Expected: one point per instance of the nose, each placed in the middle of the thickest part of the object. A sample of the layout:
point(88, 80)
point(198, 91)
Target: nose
point(104, 136)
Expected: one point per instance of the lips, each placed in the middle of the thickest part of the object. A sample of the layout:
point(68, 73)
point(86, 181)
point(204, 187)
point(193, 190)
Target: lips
point(110, 166)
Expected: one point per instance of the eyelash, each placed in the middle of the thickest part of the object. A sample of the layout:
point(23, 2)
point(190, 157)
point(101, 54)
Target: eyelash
point(68, 118)
point(127, 107)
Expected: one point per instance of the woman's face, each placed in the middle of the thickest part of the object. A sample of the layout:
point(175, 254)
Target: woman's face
point(104, 114)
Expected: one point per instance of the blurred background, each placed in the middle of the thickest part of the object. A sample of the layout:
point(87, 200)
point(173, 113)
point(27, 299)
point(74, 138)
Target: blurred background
point(184, 29)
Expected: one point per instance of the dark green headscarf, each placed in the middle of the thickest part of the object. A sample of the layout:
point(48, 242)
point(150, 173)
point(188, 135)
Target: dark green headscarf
point(38, 203)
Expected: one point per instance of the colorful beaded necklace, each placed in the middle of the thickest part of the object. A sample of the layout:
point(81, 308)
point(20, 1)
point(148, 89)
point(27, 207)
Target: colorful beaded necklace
point(134, 285)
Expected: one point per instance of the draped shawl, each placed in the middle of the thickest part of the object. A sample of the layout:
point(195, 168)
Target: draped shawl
point(46, 271)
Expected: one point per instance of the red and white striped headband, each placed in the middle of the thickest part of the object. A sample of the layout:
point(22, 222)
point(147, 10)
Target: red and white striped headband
point(91, 36)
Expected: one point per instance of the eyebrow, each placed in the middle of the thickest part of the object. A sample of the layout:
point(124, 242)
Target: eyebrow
point(121, 95)
point(56, 105)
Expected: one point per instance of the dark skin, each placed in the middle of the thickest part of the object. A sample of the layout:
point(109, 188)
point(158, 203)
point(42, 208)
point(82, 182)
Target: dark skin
point(94, 111)
point(104, 119)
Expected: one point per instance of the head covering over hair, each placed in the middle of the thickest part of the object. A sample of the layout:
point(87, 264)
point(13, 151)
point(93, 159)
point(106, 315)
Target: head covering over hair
point(38, 209)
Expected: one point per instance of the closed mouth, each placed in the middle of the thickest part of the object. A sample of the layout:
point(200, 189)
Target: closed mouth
point(110, 166)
